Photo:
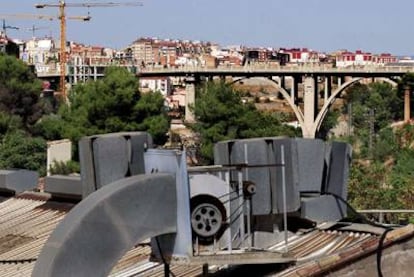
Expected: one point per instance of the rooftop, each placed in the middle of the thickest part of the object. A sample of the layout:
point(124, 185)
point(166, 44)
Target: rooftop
point(28, 219)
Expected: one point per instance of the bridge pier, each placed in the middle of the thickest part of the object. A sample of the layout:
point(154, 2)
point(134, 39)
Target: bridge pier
point(189, 99)
point(310, 103)
point(282, 81)
point(407, 102)
point(328, 87)
point(294, 90)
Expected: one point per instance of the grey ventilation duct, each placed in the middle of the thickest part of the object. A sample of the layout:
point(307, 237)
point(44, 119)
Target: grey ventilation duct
point(18, 180)
point(98, 153)
point(62, 186)
point(262, 156)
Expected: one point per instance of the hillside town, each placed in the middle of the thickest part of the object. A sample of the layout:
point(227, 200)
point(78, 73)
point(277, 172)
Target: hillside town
point(185, 157)
point(86, 62)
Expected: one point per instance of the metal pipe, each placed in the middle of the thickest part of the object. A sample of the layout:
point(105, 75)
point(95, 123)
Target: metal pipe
point(205, 270)
point(249, 232)
point(227, 179)
point(246, 161)
point(166, 270)
point(282, 155)
point(241, 200)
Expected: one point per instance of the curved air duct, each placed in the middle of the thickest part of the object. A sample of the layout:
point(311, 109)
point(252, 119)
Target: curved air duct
point(99, 230)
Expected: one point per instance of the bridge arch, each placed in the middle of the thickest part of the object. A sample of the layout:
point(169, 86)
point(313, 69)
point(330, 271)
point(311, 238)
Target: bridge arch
point(387, 80)
point(298, 113)
point(324, 110)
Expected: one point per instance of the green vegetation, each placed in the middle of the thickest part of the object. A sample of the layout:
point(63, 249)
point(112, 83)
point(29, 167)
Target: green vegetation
point(111, 104)
point(18, 150)
point(62, 168)
point(20, 107)
point(20, 92)
point(382, 174)
point(222, 115)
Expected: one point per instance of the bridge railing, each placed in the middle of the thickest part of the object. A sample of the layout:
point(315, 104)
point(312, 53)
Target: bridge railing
point(272, 68)
point(383, 215)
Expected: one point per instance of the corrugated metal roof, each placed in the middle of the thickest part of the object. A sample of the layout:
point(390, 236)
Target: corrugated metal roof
point(27, 221)
point(24, 228)
point(318, 243)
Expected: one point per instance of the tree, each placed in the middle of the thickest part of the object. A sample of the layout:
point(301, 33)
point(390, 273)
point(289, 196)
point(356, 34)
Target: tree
point(381, 177)
point(20, 91)
point(379, 98)
point(374, 107)
point(329, 122)
point(221, 115)
point(50, 127)
point(20, 150)
point(9, 123)
point(113, 104)
point(402, 177)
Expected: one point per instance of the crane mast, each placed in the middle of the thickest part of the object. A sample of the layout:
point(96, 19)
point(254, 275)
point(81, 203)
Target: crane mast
point(63, 55)
point(62, 17)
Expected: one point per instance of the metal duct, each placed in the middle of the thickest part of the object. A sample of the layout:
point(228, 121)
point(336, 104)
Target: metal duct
point(17, 181)
point(98, 153)
point(93, 236)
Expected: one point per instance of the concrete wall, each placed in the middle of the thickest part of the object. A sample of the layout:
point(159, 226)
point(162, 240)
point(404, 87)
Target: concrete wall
point(58, 150)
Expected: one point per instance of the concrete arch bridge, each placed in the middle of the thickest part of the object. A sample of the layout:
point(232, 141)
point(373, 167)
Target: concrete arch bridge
point(309, 106)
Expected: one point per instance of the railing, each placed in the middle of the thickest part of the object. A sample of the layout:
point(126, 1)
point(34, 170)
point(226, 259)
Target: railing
point(380, 213)
point(276, 69)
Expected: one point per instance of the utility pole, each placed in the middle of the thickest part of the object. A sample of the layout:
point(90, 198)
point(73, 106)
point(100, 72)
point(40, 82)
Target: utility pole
point(349, 119)
point(371, 131)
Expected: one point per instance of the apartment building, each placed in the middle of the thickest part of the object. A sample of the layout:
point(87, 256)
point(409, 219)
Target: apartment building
point(167, 53)
point(302, 55)
point(42, 54)
point(142, 51)
point(265, 55)
point(360, 58)
point(160, 84)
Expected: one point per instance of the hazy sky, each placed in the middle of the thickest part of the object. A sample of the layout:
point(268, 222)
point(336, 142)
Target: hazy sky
point(325, 25)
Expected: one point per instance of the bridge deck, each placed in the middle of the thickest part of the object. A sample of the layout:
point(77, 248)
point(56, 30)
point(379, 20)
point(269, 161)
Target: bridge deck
point(251, 71)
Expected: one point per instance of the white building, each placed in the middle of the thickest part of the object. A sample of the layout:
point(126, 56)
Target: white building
point(161, 84)
point(39, 51)
point(360, 58)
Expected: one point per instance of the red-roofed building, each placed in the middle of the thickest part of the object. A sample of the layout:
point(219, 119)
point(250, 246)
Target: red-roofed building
point(360, 58)
point(301, 55)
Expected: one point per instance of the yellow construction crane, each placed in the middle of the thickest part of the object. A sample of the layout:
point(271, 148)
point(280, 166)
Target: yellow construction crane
point(62, 17)
point(62, 50)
